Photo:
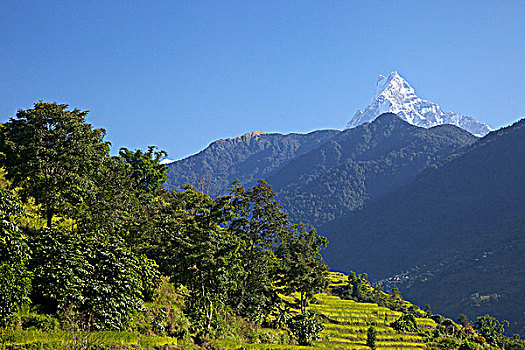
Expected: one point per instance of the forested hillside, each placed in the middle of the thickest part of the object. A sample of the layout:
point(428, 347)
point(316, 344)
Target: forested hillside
point(361, 165)
point(248, 158)
point(321, 175)
point(458, 226)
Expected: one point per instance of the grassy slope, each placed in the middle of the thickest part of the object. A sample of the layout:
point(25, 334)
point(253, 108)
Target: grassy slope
point(346, 323)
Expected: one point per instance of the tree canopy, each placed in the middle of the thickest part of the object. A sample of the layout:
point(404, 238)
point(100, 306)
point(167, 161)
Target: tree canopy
point(51, 153)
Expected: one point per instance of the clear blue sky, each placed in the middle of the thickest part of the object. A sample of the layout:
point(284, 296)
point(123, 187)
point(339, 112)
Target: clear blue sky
point(181, 74)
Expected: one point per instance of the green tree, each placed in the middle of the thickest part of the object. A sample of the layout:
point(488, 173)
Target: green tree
point(148, 172)
point(371, 337)
point(51, 152)
point(90, 272)
point(463, 320)
point(302, 267)
point(406, 323)
point(194, 248)
point(114, 204)
point(15, 280)
point(258, 223)
point(491, 329)
point(359, 287)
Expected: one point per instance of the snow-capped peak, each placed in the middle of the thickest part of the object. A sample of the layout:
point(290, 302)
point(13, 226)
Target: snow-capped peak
point(395, 95)
point(393, 82)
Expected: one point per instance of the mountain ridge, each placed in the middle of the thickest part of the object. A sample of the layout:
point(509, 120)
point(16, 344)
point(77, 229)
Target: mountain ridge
point(321, 175)
point(248, 157)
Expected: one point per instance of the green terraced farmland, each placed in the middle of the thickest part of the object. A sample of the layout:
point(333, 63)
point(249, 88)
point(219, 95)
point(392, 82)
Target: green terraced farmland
point(346, 324)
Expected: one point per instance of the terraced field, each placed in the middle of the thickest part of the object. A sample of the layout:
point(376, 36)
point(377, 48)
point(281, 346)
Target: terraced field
point(346, 324)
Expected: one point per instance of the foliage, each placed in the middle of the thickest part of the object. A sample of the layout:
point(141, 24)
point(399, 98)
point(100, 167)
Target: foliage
point(304, 327)
point(491, 329)
point(113, 205)
point(463, 320)
point(194, 249)
point(468, 345)
point(302, 267)
point(148, 173)
point(371, 337)
point(15, 280)
point(406, 323)
point(89, 273)
point(514, 343)
point(27, 318)
point(164, 315)
point(51, 153)
point(259, 223)
point(233, 250)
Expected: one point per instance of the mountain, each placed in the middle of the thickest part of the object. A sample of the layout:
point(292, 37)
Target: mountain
point(360, 165)
point(394, 94)
point(249, 157)
point(459, 225)
point(321, 175)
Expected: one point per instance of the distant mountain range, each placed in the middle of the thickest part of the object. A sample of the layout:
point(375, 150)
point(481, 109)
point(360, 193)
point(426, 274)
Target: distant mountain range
point(321, 175)
point(458, 230)
point(395, 95)
point(360, 165)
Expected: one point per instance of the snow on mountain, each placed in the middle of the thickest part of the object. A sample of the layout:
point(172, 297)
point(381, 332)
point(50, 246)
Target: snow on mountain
point(394, 94)
point(166, 161)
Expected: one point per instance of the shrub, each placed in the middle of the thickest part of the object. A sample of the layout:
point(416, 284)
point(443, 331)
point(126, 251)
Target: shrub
point(15, 279)
point(466, 345)
point(93, 273)
point(406, 323)
point(371, 337)
point(489, 328)
point(27, 319)
point(304, 327)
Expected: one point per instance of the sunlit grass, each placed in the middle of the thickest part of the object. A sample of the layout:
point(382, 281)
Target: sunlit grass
point(59, 339)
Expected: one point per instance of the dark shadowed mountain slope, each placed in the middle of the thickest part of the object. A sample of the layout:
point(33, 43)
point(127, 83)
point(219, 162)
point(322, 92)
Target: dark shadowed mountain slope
point(319, 176)
point(438, 225)
point(362, 164)
point(249, 157)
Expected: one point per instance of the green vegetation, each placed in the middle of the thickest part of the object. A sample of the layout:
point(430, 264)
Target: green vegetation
point(86, 238)
point(371, 337)
point(106, 259)
point(14, 257)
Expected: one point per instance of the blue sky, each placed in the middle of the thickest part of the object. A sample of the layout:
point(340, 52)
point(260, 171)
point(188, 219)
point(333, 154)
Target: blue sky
point(181, 74)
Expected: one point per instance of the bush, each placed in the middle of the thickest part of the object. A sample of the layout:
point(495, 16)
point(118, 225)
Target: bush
point(406, 323)
point(491, 329)
point(27, 319)
point(94, 274)
point(466, 345)
point(371, 337)
point(304, 327)
point(15, 280)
